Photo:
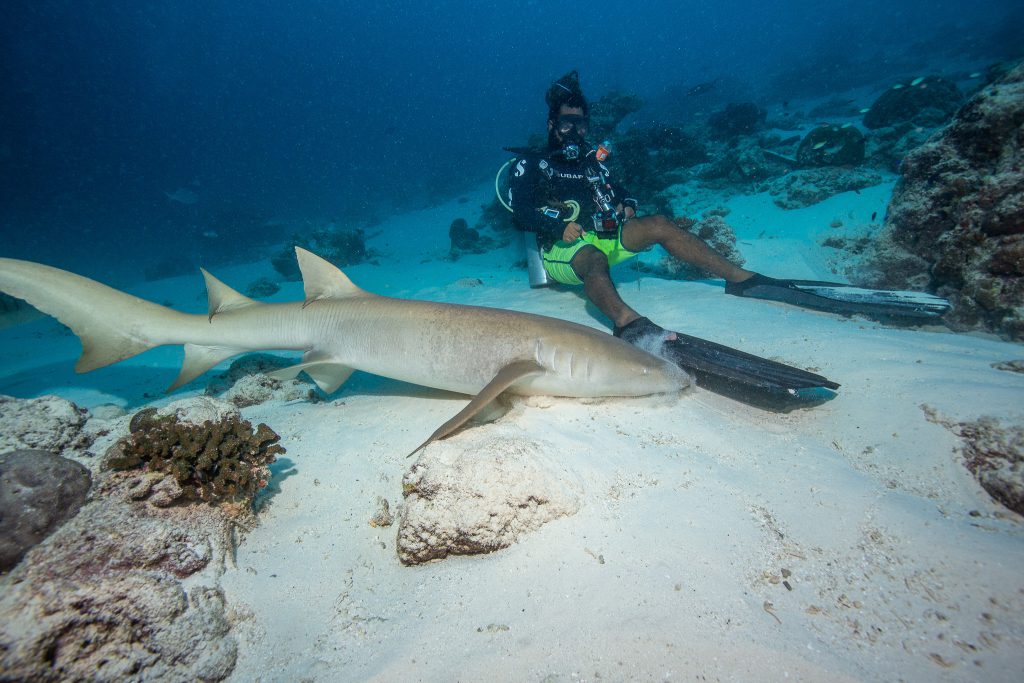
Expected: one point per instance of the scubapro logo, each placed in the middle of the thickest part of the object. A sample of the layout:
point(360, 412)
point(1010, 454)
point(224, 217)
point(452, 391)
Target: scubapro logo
point(520, 168)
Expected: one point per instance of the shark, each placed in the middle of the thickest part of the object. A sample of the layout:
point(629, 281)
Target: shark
point(339, 328)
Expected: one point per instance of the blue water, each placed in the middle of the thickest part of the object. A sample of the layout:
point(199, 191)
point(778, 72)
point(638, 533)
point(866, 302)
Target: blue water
point(317, 111)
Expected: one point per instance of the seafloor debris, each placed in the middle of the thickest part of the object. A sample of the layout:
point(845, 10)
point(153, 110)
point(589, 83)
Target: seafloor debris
point(467, 240)
point(39, 491)
point(477, 495)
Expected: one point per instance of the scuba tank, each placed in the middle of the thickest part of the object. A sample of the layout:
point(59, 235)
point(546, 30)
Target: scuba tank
point(534, 261)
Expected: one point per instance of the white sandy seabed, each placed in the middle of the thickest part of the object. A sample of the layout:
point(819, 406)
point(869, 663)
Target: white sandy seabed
point(712, 540)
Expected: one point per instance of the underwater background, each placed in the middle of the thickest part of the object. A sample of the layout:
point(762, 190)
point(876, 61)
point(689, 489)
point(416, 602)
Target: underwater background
point(140, 134)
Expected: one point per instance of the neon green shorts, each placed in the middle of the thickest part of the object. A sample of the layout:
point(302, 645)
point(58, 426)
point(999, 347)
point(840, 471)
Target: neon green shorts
point(558, 257)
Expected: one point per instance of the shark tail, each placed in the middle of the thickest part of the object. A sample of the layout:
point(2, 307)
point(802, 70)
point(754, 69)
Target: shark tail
point(111, 325)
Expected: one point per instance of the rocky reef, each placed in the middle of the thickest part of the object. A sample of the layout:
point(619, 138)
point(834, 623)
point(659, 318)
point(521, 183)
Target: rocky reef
point(955, 224)
point(128, 589)
point(467, 240)
point(737, 118)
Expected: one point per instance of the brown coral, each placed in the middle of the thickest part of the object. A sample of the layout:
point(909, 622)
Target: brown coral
point(215, 461)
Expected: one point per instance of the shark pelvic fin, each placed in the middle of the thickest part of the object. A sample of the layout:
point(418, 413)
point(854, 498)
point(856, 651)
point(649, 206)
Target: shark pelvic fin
point(327, 372)
point(199, 359)
point(221, 297)
point(506, 377)
point(322, 279)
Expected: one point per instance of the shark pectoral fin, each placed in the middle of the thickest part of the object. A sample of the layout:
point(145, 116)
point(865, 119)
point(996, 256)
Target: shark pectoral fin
point(506, 377)
point(223, 298)
point(328, 374)
point(199, 359)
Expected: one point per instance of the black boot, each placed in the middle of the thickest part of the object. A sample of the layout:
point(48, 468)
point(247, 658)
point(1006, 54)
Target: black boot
point(641, 332)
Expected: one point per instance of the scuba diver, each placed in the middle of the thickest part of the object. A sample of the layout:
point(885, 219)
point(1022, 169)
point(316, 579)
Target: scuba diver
point(585, 222)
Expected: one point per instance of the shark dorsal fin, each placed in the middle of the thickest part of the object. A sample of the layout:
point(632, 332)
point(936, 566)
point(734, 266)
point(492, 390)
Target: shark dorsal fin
point(322, 279)
point(221, 297)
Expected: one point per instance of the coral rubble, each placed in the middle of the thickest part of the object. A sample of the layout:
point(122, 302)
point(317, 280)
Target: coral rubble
point(716, 233)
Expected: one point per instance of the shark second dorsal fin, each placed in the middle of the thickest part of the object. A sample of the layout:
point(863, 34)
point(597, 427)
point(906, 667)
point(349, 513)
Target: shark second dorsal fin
point(221, 297)
point(322, 279)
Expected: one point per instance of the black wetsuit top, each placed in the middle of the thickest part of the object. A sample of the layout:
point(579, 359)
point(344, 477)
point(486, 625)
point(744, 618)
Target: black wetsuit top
point(547, 180)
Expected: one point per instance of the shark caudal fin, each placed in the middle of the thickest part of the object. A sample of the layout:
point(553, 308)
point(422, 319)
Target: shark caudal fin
point(111, 325)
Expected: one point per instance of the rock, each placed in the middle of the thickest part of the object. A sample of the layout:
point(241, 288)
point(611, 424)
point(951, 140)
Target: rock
point(463, 237)
point(252, 390)
point(716, 233)
point(994, 454)
point(39, 491)
point(48, 423)
point(736, 119)
point(262, 288)
point(607, 113)
point(340, 247)
point(886, 148)
point(649, 159)
point(197, 410)
point(955, 223)
point(929, 103)
point(804, 188)
point(477, 495)
point(245, 383)
point(467, 240)
point(102, 599)
point(831, 146)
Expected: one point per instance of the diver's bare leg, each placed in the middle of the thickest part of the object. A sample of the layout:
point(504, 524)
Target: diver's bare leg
point(639, 234)
point(591, 266)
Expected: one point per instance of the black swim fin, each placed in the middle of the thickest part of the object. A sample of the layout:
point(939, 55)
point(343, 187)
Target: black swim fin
point(834, 297)
point(715, 365)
